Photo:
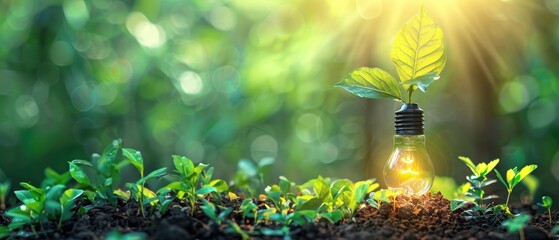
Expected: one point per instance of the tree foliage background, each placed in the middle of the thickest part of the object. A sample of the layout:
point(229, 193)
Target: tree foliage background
point(220, 81)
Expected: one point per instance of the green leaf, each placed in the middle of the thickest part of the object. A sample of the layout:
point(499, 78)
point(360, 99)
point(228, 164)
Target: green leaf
point(511, 173)
point(205, 190)
point(219, 185)
point(334, 216)
point(547, 202)
point(158, 173)
point(135, 157)
point(78, 174)
point(469, 163)
point(501, 179)
point(515, 224)
point(183, 165)
point(371, 83)
point(302, 217)
point(456, 204)
point(523, 173)
point(419, 48)
point(106, 161)
point(492, 165)
point(208, 208)
point(423, 82)
point(358, 194)
point(321, 189)
point(311, 204)
point(284, 184)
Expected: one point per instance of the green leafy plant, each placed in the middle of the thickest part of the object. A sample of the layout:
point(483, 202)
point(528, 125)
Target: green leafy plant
point(478, 180)
point(100, 187)
point(138, 189)
point(517, 224)
point(514, 177)
point(40, 205)
point(419, 55)
point(249, 209)
point(546, 203)
point(193, 182)
point(376, 198)
point(4, 189)
point(211, 211)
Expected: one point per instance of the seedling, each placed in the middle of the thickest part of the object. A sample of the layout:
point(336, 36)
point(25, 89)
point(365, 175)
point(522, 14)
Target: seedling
point(67, 204)
point(193, 182)
point(211, 211)
point(249, 209)
point(376, 198)
point(4, 189)
point(514, 177)
point(100, 188)
point(517, 224)
point(138, 190)
point(40, 205)
point(546, 203)
point(477, 182)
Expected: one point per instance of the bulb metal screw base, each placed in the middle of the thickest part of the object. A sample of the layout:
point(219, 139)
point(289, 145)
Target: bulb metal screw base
point(409, 120)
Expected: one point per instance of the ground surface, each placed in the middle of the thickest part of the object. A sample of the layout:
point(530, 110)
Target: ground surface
point(425, 217)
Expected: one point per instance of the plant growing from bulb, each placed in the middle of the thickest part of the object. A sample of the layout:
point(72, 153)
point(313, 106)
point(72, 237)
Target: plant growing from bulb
point(419, 55)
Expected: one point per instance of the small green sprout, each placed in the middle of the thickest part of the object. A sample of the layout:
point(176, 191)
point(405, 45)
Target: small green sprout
point(211, 211)
point(514, 177)
point(517, 224)
point(4, 189)
point(138, 190)
point(100, 188)
point(477, 182)
point(249, 209)
point(67, 204)
point(193, 182)
point(546, 203)
point(376, 198)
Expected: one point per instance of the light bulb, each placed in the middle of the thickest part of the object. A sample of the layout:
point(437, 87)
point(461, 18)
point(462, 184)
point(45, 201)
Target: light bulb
point(409, 169)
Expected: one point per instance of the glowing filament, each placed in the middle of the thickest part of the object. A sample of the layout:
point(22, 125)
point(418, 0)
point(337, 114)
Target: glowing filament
point(409, 172)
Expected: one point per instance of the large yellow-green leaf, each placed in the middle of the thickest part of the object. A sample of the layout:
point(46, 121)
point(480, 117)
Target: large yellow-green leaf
point(371, 83)
point(419, 49)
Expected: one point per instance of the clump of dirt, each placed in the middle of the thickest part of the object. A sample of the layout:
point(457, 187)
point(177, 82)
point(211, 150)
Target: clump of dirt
point(424, 217)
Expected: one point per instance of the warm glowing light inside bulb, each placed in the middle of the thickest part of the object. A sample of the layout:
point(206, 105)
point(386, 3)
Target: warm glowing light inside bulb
point(409, 168)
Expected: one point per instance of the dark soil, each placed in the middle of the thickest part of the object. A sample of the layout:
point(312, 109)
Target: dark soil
point(425, 217)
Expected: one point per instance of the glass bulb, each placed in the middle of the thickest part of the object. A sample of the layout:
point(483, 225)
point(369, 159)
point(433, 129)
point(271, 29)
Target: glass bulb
point(409, 169)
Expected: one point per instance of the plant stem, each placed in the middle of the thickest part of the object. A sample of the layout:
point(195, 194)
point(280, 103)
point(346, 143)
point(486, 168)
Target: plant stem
point(521, 232)
point(410, 91)
point(508, 197)
point(141, 200)
point(549, 212)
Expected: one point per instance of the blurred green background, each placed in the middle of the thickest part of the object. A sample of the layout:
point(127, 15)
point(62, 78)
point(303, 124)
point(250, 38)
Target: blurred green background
point(224, 80)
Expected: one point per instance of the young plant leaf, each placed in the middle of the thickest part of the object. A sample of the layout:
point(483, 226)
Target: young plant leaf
point(135, 157)
point(546, 202)
point(419, 48)
point(78, 174)
point(456, 204)
point(523, 173)
point(502, 179)
point(469, 163)
point(371, 83)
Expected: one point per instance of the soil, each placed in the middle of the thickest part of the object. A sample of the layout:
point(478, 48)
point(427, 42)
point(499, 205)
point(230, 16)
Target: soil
point(425, 217)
